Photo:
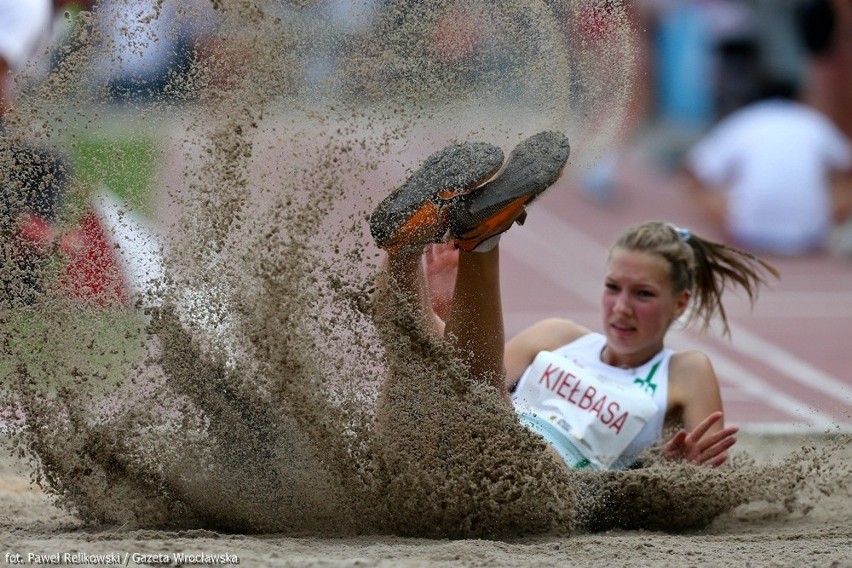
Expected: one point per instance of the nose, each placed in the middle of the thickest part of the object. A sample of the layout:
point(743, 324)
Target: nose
point(622, 304)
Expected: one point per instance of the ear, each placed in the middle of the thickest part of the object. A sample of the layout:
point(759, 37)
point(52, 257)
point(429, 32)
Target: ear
point(681, 302)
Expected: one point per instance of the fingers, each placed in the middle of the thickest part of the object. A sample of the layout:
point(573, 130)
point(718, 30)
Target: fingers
point(703, 426)
point(717, 454)
point(431, 254)
point(675, 448)
point(713, 439)
point(718, 460)
point(711, 449)
point(441, 256)
point(702, 448)
point(441, 250)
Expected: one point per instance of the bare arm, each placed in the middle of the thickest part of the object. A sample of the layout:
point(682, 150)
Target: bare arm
point(694, 393)
point(545, 335)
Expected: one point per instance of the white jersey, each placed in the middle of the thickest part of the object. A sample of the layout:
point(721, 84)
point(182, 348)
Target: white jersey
point(593, 414)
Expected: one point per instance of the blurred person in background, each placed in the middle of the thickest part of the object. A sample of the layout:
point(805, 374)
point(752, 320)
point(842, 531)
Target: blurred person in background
point(774, 175)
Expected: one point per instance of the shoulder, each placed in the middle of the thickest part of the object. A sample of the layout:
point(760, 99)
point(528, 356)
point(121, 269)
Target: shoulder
point(691, 372)
point(690, 361)
point(690, 367)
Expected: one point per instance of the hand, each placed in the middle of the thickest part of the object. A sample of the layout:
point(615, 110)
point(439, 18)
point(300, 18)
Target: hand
point(702, 448)
point(442, 263)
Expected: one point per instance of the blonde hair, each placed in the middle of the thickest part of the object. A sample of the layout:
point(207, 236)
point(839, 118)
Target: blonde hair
point(704, 268)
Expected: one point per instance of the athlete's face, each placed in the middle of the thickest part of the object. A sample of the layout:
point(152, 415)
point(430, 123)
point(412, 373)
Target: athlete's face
point(639, 305)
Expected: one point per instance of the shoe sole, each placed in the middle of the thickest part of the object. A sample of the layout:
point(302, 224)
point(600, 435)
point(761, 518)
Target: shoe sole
point(417, 211)
point(533, 166)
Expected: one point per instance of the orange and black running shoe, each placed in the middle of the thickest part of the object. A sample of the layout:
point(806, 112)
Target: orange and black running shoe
point(533, 166)
point(417, 213)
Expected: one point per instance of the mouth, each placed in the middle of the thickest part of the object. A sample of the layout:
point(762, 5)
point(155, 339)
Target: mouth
point(622, 329)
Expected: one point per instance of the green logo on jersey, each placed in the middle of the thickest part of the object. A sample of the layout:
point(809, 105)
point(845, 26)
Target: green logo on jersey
point(647, 383)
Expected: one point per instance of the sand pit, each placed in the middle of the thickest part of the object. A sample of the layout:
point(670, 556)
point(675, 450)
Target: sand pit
point(816, 533)
point(230, 410)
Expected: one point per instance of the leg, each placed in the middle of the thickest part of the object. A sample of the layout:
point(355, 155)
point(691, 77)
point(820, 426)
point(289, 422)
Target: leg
point(475, 323)
point(417, 213)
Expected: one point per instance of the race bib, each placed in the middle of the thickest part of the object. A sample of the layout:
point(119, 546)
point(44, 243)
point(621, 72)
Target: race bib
point(589, 418)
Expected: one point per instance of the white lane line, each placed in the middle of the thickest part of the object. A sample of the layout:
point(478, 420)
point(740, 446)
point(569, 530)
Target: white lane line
point(785, 362)
point(586, 284)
